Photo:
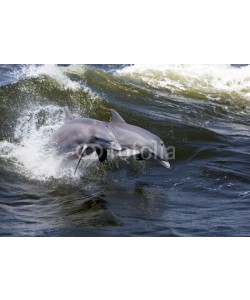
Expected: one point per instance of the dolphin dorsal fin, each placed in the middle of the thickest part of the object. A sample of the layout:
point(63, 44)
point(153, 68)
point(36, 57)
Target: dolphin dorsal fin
point(116, 118)
point(68, 115)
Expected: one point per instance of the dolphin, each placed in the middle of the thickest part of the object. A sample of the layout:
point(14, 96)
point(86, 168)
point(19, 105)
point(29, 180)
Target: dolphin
point(138, 142)
point(79, 137)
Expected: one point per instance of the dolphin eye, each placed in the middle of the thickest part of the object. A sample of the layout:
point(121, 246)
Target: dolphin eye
point(161, 143)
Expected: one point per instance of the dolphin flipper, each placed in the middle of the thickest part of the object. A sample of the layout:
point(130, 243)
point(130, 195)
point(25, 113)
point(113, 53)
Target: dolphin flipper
point(86, 151)
point(116, 118)
point(68, 115)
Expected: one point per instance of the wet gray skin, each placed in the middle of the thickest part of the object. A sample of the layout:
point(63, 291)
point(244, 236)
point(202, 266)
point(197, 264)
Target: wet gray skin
point(138, 142)
point(83, 136)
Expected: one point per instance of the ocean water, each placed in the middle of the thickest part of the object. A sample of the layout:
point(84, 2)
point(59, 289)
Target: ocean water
point(200, 110)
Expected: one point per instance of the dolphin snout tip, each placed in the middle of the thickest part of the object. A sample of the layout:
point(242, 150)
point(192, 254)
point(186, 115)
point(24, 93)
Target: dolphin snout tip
point(166, 164)
point(116, 146)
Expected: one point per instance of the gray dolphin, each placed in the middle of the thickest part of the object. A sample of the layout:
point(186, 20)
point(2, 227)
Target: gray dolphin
point(137, 141)
point(83, 136)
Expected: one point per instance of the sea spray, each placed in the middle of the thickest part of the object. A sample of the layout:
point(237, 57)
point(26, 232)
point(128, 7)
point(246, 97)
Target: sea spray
point(211, 82)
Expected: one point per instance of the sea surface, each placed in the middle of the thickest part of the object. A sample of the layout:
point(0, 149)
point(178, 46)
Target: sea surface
point(200, 110)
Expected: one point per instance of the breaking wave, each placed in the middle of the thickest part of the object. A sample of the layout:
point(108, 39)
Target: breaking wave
point(211, 82)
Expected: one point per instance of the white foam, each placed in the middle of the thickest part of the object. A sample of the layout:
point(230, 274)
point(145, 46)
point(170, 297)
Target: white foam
point(57, 73)
point(205, 79)
point(30, 153)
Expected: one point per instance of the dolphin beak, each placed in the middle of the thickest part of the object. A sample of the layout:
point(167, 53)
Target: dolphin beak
point(116, 146)
point(165, 163)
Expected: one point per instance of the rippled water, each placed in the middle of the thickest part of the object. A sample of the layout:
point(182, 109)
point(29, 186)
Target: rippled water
point(201, 110)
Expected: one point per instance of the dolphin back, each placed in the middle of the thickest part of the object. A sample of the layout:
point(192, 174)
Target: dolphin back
point(115, 117)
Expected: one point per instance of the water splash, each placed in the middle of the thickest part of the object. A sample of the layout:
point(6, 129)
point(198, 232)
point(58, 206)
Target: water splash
point(31, 153)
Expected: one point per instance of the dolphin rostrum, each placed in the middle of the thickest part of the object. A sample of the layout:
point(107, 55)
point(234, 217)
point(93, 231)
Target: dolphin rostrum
point(138, 142)
point(83, 136)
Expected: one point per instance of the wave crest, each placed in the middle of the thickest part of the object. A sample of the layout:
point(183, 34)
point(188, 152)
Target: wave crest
point(212, 82)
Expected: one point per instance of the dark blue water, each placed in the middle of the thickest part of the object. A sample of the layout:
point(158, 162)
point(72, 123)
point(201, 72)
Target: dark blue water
point(202, 111)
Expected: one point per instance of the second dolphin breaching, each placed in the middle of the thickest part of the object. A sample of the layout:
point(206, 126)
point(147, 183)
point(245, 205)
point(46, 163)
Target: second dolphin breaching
point(145, 144)
point(80, 137)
